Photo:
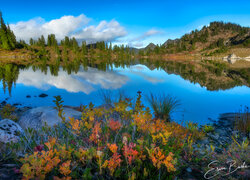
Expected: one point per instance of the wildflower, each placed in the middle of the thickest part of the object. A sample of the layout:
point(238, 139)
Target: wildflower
point(99, 153)
point(124, 140)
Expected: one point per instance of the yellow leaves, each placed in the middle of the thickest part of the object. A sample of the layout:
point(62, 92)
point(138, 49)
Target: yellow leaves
point(63, 152)
point(65, 168)
point(169, 161)
point(27, 172)
point(161, 136)
point(51, 143)
point(81, 154)
point(112, 147)
point(143, 122)
point(158, 158)
point(75, 125)
point(133, 176)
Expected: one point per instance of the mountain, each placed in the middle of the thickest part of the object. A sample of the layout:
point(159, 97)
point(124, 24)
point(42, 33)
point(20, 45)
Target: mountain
point(218, 37)
point(151, 46)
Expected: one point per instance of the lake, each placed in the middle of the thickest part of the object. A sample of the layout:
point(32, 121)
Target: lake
point(84, 84)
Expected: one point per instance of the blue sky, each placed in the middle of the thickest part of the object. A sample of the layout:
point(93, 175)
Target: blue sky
point(137, 22)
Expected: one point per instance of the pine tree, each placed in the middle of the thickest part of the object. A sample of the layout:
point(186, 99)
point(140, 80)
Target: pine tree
point(31, 41)
point(7, 37)
point(84, 50)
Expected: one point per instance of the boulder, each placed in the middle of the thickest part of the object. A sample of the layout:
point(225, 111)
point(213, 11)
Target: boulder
point(9, 131)
point(37, 117)
point(232, 58)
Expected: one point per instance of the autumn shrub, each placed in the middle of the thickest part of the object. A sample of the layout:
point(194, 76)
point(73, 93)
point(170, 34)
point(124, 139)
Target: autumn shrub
point(134, 146)
point(7, 112)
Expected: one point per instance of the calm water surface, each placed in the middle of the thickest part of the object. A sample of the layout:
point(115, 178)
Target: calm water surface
point(197, 103)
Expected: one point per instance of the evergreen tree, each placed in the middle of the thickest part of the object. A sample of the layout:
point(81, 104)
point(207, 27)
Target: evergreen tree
point(11, 38)
point(84, 50)
point(7, 37)
point(31, 41)
point(41, 41)
point(74, 44)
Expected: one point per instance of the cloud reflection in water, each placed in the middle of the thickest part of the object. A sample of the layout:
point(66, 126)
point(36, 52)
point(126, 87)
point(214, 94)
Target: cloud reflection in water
point(83, 81)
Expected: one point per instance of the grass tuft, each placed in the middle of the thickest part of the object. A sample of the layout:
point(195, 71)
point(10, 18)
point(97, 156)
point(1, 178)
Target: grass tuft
point(163, 105)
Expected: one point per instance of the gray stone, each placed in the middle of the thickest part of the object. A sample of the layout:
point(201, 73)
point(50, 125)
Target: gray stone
point(220, 132)
point(37, 117)
point(43, 95)
point(204, 141)
point(189, 170)
point(9, 131)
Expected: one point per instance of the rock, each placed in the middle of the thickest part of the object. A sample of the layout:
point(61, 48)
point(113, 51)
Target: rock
point(215, 136)
point(9, 131)
point(204, 141)
point(43, 95)
point(3, 103)
point(232, 58)
point(189, 170)
point(221, 132)
point(37, 117)
point(105, 106)
point(28, 96)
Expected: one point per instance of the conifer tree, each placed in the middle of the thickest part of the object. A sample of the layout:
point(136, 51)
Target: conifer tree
point(7, 37)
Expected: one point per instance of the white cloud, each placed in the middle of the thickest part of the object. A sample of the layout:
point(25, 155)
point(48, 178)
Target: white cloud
point(105, 31)
point(142, 71)
point(73, 26)
point(83, 81)
point(147, 34)
point(139, 40)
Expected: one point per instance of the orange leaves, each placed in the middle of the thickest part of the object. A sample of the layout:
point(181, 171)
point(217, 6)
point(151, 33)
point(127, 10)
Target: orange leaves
point(113, 163)
point(75, 125)
point(112, 147)
point(129, 153)
point(94, 137)
point(142, 121)
point(65, 168)
point(51, 143)
point(39, 164)
point(97, 144)
point(169, 161)
point(158, 158)
point(114, 125)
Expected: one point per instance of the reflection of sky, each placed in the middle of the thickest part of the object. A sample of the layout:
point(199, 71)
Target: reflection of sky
point(197, 104)
point(81, 82)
